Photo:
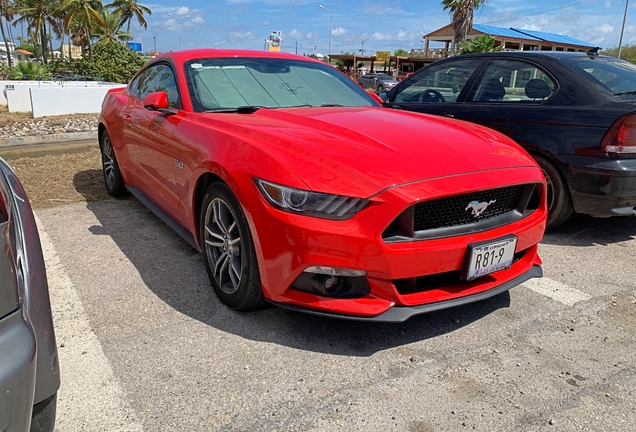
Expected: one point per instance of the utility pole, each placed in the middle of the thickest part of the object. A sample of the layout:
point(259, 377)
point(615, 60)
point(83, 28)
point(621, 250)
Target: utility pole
point(362, 50)
point(620, 43)
point(265, 45)
point(154, 40)
point(296, 47)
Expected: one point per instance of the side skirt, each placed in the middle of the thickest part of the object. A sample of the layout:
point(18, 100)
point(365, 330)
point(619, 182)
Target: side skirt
point(164, 216)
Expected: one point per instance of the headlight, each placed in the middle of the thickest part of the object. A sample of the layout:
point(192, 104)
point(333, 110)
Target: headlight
point(311, 203)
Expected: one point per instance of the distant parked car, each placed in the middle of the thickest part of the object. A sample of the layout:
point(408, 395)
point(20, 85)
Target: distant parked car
point(575, 113)
point(29, 373)
point(300, 189)
point(377, 81)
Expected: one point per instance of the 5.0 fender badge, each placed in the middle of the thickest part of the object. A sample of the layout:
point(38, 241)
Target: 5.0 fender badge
point(479, 207)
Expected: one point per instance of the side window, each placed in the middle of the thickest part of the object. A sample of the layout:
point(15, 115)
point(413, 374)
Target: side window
point(441, 83)
point(512, 81)
point(154, 79)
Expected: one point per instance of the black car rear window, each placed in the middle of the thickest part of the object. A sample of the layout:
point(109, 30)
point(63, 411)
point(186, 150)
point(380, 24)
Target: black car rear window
point(617, 76)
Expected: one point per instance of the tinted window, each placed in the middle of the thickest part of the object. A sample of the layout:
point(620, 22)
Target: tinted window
point(155, 79)
point(269, 82)
point(438, 83)
point(616, 75)
point(512, 81)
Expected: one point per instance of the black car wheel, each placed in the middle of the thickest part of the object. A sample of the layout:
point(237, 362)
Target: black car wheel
point(230, 257)
point(560, 206)
point(112, 176)
point(43, 415)
point(380, 88)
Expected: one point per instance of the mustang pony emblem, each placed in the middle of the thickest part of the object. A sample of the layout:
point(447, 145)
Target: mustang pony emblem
point(479, 207)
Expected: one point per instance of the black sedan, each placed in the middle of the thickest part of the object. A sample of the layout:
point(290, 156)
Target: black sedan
point(575, 113)
point(29, 372)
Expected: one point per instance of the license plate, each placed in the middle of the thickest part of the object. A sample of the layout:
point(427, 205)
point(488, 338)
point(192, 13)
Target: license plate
point(486, 258)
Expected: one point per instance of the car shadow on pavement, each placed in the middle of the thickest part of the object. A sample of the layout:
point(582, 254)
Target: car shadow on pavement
point(584, 230)
point(175, 273)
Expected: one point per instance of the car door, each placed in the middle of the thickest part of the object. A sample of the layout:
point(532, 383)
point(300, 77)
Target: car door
point(513, 97)
point(437, 89)
point(149, 138)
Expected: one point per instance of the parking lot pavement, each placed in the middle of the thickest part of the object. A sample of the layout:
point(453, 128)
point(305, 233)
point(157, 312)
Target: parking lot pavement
point(142, 334)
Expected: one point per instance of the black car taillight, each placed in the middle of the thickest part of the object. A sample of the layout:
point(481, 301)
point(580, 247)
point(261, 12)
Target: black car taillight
point(621, 137)
point(4, 212)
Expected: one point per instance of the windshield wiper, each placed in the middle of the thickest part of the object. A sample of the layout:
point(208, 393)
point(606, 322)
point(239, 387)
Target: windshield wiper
point(248, 109)
point(331, 105)
point(625, 92)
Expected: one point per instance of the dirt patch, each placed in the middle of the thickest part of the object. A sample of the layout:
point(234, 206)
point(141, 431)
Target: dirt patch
point(64, 178)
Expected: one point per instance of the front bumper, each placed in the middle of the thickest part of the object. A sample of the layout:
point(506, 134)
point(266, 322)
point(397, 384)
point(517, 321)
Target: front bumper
point(601, 186)
point(18, 356)
point(287, 244)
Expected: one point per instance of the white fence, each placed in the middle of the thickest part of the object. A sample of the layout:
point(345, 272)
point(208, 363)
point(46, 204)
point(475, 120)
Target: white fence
point(46, 98)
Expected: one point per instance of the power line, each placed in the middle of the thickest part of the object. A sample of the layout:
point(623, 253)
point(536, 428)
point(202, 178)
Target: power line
point(612, 25)
point(535, 14)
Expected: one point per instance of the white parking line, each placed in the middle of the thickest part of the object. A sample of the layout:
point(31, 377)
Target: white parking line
point(556, 291)
point(90, 397)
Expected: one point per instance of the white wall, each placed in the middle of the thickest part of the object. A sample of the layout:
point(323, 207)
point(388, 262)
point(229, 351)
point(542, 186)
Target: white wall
point(68, 100)
point(15, 84)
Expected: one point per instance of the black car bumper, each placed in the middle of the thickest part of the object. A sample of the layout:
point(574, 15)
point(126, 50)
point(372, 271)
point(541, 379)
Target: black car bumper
point(602, 186)
point(17, 372)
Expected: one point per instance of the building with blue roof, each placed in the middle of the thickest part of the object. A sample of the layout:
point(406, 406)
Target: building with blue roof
point(509, 39)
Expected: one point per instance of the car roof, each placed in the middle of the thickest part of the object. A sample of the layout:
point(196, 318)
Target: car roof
point(535, 54)
point(191, 54)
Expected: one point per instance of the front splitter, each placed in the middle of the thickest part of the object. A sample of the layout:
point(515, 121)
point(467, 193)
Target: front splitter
point(399, 314)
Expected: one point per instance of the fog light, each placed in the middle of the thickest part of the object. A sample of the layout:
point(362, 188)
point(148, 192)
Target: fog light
point(335, 271)
point(326, 285)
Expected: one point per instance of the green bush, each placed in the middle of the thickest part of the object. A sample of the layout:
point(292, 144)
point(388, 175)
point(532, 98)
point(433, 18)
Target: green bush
point(111, 61)
point(29, 71)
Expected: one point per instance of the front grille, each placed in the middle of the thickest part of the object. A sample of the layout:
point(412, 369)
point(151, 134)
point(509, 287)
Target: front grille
point(438, 280)
point(451, 211)
point(452, 215)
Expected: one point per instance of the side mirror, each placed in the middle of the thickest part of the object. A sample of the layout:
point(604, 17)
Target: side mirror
point(375, 97)
point(158, 101)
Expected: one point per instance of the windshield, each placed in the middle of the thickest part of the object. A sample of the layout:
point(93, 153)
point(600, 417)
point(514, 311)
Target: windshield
point(222, 83)
point(618, 76)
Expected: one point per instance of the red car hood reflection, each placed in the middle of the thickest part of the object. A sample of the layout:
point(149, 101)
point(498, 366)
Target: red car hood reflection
point(361, 151)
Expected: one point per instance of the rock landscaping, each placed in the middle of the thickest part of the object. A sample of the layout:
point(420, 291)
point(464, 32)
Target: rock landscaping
point(49, 126)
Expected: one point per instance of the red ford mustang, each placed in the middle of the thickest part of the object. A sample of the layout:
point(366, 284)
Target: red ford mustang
point(300, 189)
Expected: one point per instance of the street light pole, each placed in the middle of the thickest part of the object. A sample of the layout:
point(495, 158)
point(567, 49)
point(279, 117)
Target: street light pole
point(620, 42)
point(362, 50)
point(330, 22)
point(179, 19)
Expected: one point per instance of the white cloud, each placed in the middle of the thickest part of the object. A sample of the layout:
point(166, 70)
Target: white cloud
point(339, 31)
point(198, 20)
point(183, 10)
point(266, 22)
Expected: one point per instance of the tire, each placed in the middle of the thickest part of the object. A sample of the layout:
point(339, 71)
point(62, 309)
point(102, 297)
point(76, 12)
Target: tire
point(43, 416)
point(380, 88)
point(560, 206)
point(112, 176)
point(227, 245)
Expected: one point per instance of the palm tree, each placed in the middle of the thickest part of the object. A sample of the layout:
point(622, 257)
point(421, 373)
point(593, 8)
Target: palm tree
point(110, 30)
point(462, 13)
point(129, 9)
point(36, 13)
point(6, 13)
point(87, 12)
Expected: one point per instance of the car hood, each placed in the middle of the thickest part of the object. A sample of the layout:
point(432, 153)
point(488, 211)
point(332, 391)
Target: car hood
point(363, 150)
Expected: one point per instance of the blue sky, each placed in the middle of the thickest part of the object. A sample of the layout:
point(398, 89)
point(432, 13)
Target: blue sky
point(387, 24)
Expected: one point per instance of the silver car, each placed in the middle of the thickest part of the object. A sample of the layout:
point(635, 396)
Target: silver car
point(377, 81)
point(29, 371)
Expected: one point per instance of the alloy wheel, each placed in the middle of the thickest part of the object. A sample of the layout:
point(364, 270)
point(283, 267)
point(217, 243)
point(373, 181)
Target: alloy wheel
point(109, 162)
point(223, 245)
